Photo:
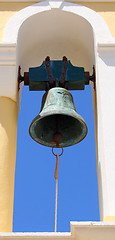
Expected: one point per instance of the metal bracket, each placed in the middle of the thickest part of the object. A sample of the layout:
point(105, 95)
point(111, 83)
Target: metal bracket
point(57, 82)
point(49, 72)
point(56, 73)
point(93, 78)
point(63, 75)
point(21, 78)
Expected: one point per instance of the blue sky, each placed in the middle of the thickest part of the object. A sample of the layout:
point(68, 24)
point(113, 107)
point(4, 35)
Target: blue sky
point(34, 198)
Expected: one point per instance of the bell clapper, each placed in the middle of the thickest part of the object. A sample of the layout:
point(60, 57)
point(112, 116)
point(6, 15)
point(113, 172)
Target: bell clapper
point(56, 178)
point(57, 137)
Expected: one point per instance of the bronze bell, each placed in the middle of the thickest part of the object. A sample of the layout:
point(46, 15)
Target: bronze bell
point(58, 124)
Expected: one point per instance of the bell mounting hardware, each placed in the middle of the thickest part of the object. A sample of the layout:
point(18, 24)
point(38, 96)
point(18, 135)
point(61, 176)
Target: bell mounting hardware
point(56, 74)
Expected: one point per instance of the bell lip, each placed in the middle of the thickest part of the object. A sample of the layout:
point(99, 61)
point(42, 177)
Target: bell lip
point(41, 117)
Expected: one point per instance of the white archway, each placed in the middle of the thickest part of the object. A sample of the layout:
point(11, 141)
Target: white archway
point(87, 29)
point(99, 26)
point(57, 34)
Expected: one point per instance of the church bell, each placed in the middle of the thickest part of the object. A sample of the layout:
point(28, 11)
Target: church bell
point(58, 124)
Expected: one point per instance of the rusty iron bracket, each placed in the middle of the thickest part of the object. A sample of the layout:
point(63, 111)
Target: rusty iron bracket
point(58, 82)
point(93, 78)
point(21, 78)
point(63, 74)
point(49, 72)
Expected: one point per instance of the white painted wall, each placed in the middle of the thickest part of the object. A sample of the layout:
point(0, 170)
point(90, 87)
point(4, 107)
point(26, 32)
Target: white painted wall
point(106, 129)
point(59, 33)
point(8, 78)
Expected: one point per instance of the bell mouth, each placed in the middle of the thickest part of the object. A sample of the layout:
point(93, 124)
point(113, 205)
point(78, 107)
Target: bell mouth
point(58, 130)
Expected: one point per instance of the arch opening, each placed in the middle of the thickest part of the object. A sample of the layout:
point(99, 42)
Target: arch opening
point(59, 33)
point(73, 31)
point(55, 33)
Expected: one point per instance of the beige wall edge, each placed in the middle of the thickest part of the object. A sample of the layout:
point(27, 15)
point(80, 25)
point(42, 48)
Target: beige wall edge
point(8, 140)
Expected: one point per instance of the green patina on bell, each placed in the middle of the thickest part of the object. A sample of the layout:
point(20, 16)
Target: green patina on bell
point(58, 124)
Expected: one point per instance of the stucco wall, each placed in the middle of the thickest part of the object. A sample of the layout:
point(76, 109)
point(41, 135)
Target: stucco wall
point(106, 10)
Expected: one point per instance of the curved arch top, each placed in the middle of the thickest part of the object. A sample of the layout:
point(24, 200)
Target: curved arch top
point(100, 28)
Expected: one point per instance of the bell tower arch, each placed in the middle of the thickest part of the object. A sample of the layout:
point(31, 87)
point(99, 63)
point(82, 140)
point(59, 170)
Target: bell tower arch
point(78, 32)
